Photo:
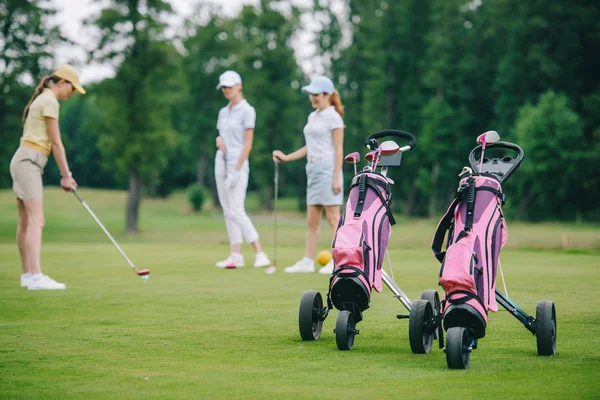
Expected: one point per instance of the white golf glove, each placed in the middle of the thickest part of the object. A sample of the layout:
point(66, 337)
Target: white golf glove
point(232, 178)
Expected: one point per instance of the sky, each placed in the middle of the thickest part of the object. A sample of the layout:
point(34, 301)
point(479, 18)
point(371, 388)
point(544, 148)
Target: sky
point(71, 13)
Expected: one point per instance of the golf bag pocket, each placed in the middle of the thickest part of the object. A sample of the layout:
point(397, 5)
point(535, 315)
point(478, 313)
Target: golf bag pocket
point(349, 247)
point(460, 266)
point(350, 279)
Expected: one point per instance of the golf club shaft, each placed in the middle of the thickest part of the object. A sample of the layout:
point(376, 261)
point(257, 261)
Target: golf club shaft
point(276, 182)
point(103, 228)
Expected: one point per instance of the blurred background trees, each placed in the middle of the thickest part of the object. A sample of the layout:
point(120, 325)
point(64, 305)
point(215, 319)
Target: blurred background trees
point(445, 70)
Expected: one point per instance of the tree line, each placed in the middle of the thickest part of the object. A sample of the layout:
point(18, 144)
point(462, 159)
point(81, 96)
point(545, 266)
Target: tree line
point(445, 70)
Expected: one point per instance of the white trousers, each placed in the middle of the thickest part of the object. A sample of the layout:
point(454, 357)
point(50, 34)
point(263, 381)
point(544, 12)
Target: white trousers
point(232, 201)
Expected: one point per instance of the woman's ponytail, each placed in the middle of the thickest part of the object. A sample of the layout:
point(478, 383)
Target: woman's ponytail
point(336, 101)
point(38, 90)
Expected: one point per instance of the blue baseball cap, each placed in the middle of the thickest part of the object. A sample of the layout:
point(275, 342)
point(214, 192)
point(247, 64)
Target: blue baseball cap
point(319, 84)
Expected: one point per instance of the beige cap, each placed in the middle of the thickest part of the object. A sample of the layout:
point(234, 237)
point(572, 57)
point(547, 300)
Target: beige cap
point(70, 74)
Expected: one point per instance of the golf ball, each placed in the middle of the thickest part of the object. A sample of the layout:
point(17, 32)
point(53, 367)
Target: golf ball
point(323, 257)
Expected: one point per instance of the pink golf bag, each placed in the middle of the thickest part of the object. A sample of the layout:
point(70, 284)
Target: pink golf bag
point(359, 245)
point(361, 239)
point(477, 232)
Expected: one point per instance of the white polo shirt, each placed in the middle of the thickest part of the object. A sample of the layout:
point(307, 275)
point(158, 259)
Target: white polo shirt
point(318, 133)
point(232, 124)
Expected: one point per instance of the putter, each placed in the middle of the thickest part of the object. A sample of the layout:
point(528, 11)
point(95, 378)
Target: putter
point(273, 268)
point(142, 273)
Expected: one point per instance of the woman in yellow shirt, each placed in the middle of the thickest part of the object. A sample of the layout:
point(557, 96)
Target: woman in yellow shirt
point(41, 136)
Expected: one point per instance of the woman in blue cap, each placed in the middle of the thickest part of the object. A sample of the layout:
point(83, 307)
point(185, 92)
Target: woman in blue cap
point(324, 135)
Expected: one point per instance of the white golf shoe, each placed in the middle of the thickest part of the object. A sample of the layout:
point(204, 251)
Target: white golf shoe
point(46, 283)
point(301, 267)
point(234, 259)
point(26, 280)
point(261, 260)
point(327, 269)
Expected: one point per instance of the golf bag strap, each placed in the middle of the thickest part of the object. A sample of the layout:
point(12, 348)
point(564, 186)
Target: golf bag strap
point(467, 296)
point(447, 219)
point(363, 182)
point(471, 195)
point(445, 223)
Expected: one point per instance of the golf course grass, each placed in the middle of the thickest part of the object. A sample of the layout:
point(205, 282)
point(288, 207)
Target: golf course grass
point(199, 332)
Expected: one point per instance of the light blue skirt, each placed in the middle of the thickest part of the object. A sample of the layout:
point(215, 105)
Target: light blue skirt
point(319, 184)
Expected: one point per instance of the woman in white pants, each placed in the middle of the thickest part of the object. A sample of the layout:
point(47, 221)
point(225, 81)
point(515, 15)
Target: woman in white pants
point(236, 131)
point(324, 135)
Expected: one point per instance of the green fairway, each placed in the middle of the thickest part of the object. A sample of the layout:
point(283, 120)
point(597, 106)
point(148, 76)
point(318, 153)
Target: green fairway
point(196, 331)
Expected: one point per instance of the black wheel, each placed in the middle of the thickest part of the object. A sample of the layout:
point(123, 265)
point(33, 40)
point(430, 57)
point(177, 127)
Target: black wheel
point(309, 316)
point(458, 352)
point(420, 333)
point(432, 296)
point(345, 329)
point(545, 328)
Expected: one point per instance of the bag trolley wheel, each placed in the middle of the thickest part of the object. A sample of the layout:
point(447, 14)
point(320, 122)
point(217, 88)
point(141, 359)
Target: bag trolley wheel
point(420, 332)
point(458, 348)
point(309, 315)
point(545, 328)
point(345, 330)
point(433, 297)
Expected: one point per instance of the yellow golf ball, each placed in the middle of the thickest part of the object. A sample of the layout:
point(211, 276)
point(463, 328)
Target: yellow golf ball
point(323, 257)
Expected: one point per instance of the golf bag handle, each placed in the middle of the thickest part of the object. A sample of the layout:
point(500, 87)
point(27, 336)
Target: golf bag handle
point(371, 142)
point(503, 167)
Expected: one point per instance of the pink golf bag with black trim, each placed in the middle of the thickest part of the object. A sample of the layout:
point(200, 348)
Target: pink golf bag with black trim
point(359, 245)
point(477, 232)
point(360, 242)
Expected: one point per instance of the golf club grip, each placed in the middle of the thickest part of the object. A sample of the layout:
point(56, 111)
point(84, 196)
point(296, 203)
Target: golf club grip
point(393, 132)
point(84, 204)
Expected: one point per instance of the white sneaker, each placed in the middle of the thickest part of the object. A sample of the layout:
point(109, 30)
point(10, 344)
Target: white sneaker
point(234, 259)
point(46, 283)
point(261, 260)
point(327, 269)
point(26, 281)
point(301, 267)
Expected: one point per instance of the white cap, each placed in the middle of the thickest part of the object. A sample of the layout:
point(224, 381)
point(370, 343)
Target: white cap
point(229, 79)
point(318, 85)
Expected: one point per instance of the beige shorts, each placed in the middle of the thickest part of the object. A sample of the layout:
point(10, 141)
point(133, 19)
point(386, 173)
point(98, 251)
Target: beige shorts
point(26, 169)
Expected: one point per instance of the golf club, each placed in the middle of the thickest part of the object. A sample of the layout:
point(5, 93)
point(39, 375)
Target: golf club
point(353, 158)
point(273, 267)
point(370, 157)
point(483, 139)
point(142, 273)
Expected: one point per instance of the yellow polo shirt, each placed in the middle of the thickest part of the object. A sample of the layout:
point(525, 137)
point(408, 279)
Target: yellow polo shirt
point(44, 106)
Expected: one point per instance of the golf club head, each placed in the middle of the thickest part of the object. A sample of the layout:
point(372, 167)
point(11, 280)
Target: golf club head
point(372, 155)
point(271, 270)
point(352, 157)
point(465, 170)
point(231, 265)
point(488, 137)
point(142, 272)
point(388, 148)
